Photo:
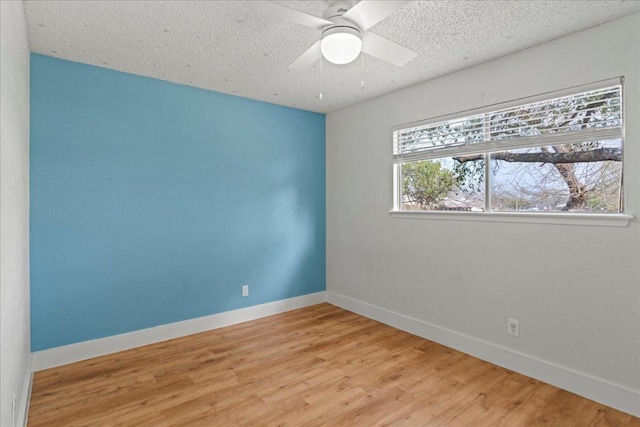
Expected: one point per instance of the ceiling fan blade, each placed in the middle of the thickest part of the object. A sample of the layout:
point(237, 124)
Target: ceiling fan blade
point(368, 13)
point(285, 13)
point(310, 56)
point(386, 50)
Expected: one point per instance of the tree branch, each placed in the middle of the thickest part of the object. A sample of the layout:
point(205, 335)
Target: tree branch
point(595, 155)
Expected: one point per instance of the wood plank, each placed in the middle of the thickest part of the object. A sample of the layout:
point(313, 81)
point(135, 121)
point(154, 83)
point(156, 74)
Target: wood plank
point(320, 365)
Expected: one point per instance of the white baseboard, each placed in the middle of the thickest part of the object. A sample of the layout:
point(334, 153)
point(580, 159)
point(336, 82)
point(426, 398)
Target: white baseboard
point(64, 355)
point(610, 394)
point(23, 416)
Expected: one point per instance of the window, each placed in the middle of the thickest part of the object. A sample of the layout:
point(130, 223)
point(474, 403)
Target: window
point(562, 153)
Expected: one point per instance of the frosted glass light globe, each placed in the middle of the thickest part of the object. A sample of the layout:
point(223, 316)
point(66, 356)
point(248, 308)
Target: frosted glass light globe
point(341, 45)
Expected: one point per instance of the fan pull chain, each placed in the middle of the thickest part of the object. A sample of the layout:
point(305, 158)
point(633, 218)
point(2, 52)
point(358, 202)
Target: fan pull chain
point(321, 61)
point(362, 70)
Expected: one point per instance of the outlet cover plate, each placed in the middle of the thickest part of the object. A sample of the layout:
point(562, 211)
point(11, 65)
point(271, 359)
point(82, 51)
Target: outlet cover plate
point(513, 327)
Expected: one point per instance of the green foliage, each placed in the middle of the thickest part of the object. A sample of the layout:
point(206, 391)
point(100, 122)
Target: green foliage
point(469, 175)
point(426, 183)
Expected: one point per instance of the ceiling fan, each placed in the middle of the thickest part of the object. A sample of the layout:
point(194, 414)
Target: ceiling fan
point(344, 32)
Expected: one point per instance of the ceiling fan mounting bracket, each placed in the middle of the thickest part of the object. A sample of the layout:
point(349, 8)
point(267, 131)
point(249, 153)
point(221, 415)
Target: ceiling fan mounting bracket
point(336, 9)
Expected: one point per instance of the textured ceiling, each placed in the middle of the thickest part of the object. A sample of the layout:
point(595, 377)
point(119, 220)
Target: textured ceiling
point(229, 47)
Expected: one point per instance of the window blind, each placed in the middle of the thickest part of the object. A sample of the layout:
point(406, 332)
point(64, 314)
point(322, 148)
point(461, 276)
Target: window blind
point(593, 115)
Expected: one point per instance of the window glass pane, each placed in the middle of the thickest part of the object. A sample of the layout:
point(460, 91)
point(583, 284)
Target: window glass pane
point(445, 184)
point(584, 177)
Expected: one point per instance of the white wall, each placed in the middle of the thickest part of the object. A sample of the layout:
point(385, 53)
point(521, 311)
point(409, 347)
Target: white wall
point(575, 289)
point(15, 357)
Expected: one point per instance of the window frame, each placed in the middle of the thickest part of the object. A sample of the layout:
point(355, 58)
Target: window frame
point(488, 147)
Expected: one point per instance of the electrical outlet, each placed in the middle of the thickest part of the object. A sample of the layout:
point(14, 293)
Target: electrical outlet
point(513, 327)
point(245, 290)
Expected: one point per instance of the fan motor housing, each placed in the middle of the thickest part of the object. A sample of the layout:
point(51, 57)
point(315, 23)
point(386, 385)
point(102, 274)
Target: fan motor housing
point(339, 28)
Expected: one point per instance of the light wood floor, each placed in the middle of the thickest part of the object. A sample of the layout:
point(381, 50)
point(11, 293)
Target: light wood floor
point(320, 365)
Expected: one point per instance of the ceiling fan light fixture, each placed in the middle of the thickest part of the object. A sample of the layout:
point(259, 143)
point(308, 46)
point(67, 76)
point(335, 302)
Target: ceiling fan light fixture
point(341, 45)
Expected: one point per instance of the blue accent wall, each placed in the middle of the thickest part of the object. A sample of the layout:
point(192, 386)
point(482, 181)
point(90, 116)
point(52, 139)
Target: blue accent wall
point(153, 202)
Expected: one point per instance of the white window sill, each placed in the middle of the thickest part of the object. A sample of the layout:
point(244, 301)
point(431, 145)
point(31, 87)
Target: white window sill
point(601, 220)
